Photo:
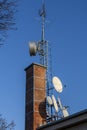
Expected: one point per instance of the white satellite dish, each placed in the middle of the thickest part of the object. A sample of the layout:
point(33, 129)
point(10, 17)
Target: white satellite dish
point(57, 84)
point(55, 103)
point(32, 48)
point(49, 100)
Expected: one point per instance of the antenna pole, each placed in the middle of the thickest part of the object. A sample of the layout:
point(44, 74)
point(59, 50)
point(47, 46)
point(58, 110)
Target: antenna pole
point(45, 52)
point(43, 43)
point(43, 21)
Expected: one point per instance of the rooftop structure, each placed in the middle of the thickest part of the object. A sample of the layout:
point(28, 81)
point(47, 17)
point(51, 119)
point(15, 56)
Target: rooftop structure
point(77, 121)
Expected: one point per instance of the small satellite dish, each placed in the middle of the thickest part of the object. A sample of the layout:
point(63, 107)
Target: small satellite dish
point(55, 103)
point(57, 84)
point(32, 48)
point(49, 100)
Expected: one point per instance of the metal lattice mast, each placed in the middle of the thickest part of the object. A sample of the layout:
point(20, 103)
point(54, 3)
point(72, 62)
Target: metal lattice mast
point(45, 56)
point(43, 49)
point(43, 43)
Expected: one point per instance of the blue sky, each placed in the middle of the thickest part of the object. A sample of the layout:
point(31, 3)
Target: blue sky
point(67, 33)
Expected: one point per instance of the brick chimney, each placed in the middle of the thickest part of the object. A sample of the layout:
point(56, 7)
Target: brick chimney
point(35, 106)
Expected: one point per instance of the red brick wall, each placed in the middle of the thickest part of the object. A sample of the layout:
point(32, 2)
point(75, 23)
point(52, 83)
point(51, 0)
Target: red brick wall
point(35, 96)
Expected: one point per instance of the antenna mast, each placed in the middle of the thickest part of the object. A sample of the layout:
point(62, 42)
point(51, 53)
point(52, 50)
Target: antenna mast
point(44, 51)
point(42, 14)
point(43, 44)
point(45, 55)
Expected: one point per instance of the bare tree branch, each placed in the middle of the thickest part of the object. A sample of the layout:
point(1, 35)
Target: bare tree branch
point(6, 126)
point(7, 18)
